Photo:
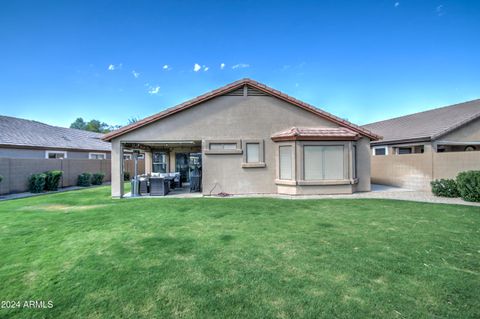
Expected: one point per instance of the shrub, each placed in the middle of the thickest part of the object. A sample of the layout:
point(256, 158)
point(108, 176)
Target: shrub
point(468, 184)
point(97, 178)
point(84, 179)
point(445, 188)
point(52, 180)
point(36, 183)
point(1, 177)
point(126, 176)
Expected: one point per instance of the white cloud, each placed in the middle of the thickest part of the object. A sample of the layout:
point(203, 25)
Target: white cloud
point(240, 66)
point(196, 67)
point(205, 68)
point(135, 74)
point(167, 67)
point(396, 4)
point(113, 67)
point(154, 90)
point(222, 66)
point(440, 11)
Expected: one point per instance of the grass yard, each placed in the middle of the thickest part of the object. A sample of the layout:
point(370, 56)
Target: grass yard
point(95, 257)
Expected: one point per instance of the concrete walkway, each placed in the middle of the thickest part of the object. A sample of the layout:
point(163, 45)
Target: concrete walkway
point(378, 192)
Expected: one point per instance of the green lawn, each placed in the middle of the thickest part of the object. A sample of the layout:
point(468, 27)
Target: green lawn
point(95, 257)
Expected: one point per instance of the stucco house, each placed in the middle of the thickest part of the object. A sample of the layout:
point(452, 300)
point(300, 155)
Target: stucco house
point(250, 138)
point(425, 146)
point(454, 128)
point(21, 138)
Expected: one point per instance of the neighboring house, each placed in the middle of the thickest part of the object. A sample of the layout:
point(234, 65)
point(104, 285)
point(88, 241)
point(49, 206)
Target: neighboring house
point(421, 147)
point(454, 128)
point(249, 138)
point(20, 138)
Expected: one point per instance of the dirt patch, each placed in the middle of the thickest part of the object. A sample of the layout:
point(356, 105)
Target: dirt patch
point(60, 208)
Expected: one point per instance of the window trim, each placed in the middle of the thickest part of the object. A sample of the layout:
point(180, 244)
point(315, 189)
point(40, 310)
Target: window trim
point(261, 154)
point(346, 164)
point(323, 180)
point(379, 147)
point(97, 153)
point(208, 151)
point(48, 152)
point(293, 150)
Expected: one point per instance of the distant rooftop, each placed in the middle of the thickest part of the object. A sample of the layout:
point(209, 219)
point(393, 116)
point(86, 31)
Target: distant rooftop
point(427, 125)
point(26, 133)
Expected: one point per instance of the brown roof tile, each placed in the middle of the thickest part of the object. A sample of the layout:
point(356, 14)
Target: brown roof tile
point(427, 125)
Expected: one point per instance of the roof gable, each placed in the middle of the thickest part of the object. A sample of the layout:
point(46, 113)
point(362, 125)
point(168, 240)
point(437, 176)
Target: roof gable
point(427, 125)
point(245, 86)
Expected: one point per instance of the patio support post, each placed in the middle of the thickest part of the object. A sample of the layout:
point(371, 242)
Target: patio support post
point(148, 162)
point(117, 169)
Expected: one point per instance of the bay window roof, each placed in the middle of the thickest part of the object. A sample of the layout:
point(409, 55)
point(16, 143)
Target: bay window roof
point(316, 134)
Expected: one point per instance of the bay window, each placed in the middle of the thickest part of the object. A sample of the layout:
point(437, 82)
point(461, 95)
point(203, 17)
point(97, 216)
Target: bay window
point(285, 157)
point(323, 162)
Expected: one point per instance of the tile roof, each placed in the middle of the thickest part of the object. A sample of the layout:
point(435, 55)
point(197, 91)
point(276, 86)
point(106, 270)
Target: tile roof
point(427, 125)
point(26, 133)
point(231, 87)
point(316, 133)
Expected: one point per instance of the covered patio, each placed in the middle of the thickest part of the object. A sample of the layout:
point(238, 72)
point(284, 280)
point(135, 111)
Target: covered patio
point(172, 168)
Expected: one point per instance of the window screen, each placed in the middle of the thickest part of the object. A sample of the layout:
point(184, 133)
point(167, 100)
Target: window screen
point(380, 151)
point(323, 162)
point(285, 162)
point(253, 152)
point(223, 146)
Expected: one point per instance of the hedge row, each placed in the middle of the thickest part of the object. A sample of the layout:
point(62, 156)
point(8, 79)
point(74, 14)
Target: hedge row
point(466, 186)
point(87, 179)
point(47, 181)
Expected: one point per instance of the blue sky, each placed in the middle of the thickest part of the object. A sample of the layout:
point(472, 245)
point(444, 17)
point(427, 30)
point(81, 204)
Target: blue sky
point(113, 60)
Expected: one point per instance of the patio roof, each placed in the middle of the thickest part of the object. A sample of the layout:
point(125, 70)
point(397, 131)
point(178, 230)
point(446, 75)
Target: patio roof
point(316, 134)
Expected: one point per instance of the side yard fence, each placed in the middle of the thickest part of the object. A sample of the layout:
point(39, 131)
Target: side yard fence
point(415, 171)
point(16, 171)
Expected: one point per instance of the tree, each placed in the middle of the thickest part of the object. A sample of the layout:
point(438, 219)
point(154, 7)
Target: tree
point(132, 120)
point(79, 124)
point(93, 126)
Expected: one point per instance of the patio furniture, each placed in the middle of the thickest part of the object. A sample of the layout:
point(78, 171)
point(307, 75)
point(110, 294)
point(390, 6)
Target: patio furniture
point(195, 181)
point(143, 186)
point(159, 186)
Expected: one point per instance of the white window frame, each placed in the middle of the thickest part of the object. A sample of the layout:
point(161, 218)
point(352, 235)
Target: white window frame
point(96, 153)
point(380, 147)
point(47, 153)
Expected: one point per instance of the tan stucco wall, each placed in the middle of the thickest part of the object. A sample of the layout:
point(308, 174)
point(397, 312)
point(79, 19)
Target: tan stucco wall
point(415, 171)
point(235, 118)
point(467, 133)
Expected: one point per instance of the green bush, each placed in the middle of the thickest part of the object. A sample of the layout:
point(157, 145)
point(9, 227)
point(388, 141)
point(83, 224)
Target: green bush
point(1, 178)
point(468, 184)
point(52, 180)
point(445, 188)
point(126, 176)
point(36, 183)
point(97, 178)
point(84, 179)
